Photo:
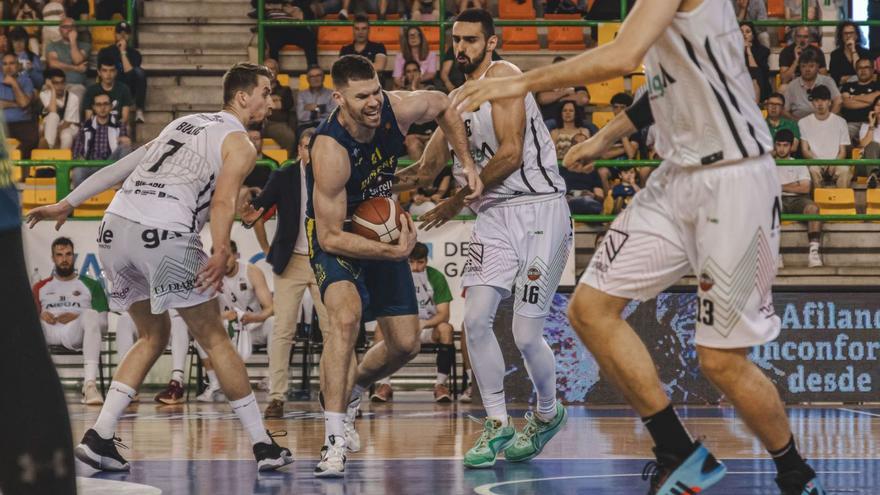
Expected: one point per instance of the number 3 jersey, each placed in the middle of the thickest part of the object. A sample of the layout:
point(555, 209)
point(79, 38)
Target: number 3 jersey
point(172, 188)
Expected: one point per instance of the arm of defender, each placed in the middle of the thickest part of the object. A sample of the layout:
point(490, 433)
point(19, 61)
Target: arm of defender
point(645, 23)
point(261, 288)
point(332, 170)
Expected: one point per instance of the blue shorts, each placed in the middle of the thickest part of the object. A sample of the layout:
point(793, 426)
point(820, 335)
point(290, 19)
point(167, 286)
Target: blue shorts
point(386, 287)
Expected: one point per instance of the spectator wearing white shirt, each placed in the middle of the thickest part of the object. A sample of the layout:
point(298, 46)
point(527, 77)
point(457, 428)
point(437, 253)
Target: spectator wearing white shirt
point(61, 110)
point(825, 136)
point(796, 184)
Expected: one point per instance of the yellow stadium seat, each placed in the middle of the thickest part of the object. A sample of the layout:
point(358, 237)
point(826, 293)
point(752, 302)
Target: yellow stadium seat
point(304, 82)
point(387, 35)
point(636, 81)
point(103, 36)
point(521, 38)
point(511, 9)
point(95, 206)
point(40, 181)
point(835, 201)
point(32, 197)
point(873, 202)
point(856, 153)
point(279, 155)
point(12, 143)
point(608, 31)
point(776, 8)
point(432, 34)
point(601, 93)
point(16, 170)
point(270, 144)
point(602, 118)
point(334, 37)
point(47, 154)
point(283, 79)
point(565, 37)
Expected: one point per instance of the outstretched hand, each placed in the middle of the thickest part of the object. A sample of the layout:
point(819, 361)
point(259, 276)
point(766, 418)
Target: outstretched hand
point(58, 212)
point(475, 93)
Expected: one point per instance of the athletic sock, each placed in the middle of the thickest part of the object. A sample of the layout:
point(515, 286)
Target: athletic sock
point(668, 433)
point(177, 375)
point(90, 371)
point(356, 393)
point(118, 398)
point(442, 378)
point(213, 382)
point(334, 425)
point(248, 413)
point(546, 409)
point(788, 459)
point(496, 406)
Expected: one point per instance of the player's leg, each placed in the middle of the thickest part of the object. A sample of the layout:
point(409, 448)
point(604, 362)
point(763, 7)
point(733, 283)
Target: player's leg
point(442, 336)
point(204, 323)
point(466, 366)
point(212, 392)
point(126, 334)
point(91, 327)
point(97, 446)
point(383, 392)
point(174, 392)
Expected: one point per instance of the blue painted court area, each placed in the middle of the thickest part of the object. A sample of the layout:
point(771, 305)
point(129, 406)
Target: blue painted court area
point(447, 476)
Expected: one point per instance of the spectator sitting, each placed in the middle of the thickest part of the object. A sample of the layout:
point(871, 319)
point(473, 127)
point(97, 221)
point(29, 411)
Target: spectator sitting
point(260, 174)
point(418, 134)
point(858, 97)
point(623, 192)
point(101, 137)
point(16, 93)
point(797, 94)
point(281, 122)
point(26, 10)
point(790, 56)
point(70, 55)
point(363, 46)
point(362, 6)
point(776, 122)
point(30, 61)
point(415, 49)
point(73, 313)
point(757, 60)
point(569, 116)
point(105, 9)
point(585, 194)
point(795, 183)
point(869, 140)
point(424, 10)
point(814, 13)
point(303, 37)
point(60, 111)
point(127, 61)
point(825, 136)
point(315, 103)
point(551, 101)
point(119, 94)
point(845, 58)
point(753, 10)
point(426, 198)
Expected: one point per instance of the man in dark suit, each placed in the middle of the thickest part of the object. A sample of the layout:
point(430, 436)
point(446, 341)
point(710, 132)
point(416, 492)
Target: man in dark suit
point(285, 192)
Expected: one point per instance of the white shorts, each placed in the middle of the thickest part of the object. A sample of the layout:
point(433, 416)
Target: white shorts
point(67, 335)
point(148, 263)
point(720, 223)
point(426, 335)
point(261, 332)
point(523, 246)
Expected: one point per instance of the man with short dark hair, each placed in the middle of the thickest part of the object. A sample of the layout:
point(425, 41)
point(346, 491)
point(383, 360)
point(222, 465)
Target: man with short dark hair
point(101, 137)
point(858, 96)
point(316, 102)
point(824, 136)
point(797, 93)
point(796, 184)
point(60, 111)
point(775, 121)
point(120, 95)
point(363, 46)
point(789, 57)
point(16, 92)
point(127, 61)
point(73, 313)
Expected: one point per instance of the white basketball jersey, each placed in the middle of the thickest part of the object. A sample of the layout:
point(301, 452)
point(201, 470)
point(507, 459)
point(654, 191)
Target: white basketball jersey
point(172, 188)
point(239, 292)
point(700, 90)
point(538, 175)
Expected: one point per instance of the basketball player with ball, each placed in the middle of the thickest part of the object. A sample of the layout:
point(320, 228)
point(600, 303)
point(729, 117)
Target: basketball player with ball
point(520, 243)
point(354, 157)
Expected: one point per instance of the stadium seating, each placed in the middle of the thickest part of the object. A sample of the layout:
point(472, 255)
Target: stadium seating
point(270, 144)
point(565, 37)
point(524, 38)
point(283, 79)
point(607, 32)
point(334, 37)
point(512, 9)
point(34, 196)
point(95, 206)
point(601, 93)
point(602, 118)
point(304, 82)
point(50, 154)
point(873, 202)
point(387, 35)
point(835, 201)
point(278, 155)
point(432, 34)
point(102, 36)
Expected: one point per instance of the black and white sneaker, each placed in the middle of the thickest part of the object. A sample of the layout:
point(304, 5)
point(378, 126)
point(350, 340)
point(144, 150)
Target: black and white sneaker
point(332, 464)
point(272, 456)
point(101, 453)
point(353, 411)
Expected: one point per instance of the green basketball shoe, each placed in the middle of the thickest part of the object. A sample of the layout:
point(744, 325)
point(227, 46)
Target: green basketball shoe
point(493, 440)
point(531, 441)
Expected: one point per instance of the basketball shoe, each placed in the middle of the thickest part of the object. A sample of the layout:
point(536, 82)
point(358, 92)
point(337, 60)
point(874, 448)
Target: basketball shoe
point(173, 394)
point(792, 483)
point(494, 439)
point(672, 475)
point(531, 441)
point(332, 463)
point(271, 456)
point(352, 438)
point(101, 453)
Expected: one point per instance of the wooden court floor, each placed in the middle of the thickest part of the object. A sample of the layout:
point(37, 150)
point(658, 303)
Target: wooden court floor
point(414, 446)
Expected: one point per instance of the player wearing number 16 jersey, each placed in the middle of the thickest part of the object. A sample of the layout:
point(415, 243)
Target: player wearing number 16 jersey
point(150, 248)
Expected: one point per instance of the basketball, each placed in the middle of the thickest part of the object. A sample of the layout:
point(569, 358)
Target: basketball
point(377, 219)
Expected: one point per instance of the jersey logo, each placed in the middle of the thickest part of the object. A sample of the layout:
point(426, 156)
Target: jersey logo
point(614, 242)
point(659, 83)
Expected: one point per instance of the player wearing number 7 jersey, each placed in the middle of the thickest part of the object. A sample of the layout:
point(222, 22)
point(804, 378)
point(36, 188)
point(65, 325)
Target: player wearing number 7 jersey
point(149, 246)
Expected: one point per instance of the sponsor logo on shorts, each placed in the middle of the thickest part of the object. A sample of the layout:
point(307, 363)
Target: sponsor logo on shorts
point(614, 241)
point(174, 287)
point(600, 266)
point(320, 274)
point(534, 273)
point(706, 282)
point(120, 294)
point(474, 263)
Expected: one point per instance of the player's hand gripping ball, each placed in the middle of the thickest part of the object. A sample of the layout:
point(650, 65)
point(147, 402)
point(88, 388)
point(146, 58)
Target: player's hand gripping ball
point(377, 219)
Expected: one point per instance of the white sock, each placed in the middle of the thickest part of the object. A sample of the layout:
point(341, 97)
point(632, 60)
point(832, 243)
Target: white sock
point(334, 424)
point(384, 381)
point(90, 371)
point(470, 375)
point(213, 382)
point(118, 398)
point(177, 375)
point(248, 413)
point(442, 378)
point(356, 392)
point(814, 245)
point(546, 409)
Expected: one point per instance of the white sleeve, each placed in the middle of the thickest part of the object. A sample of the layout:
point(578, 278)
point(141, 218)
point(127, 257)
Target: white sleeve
point(106, 177)
point(844, 132)
point(71, 110)
point(863, 131)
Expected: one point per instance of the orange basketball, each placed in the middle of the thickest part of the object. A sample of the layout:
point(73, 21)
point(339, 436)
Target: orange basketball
point(377, 219)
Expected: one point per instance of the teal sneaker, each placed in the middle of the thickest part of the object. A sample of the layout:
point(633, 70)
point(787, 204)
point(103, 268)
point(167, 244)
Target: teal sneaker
point(493, 440)
point(531, 441)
